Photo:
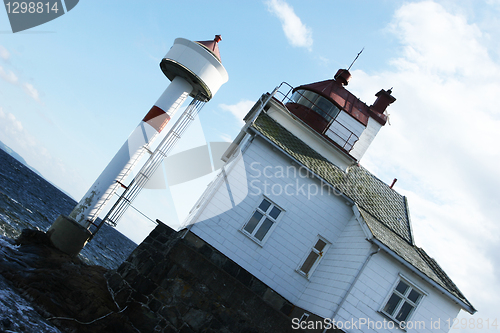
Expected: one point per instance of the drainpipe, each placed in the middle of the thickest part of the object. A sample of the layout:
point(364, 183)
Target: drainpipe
point(352, 285)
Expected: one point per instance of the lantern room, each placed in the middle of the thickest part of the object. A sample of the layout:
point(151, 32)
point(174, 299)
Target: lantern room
point(329, 109)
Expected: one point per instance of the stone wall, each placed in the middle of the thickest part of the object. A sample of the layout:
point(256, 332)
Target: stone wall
point(182, 284)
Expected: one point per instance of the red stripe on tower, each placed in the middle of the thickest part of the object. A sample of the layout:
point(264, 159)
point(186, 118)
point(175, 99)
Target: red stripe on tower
point(157, 118)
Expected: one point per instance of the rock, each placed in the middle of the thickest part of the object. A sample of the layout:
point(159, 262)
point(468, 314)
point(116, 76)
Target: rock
point(62, 286)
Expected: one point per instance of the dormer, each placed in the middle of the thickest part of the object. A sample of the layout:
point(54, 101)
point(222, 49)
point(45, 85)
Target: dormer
point(329, 109)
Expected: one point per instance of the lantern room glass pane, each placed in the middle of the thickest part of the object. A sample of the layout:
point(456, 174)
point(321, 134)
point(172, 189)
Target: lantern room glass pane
point(325, 108)
point(304, 97)
point(317, 103)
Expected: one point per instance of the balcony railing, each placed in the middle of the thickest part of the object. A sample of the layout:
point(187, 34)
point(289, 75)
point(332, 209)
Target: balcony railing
point(335, 131)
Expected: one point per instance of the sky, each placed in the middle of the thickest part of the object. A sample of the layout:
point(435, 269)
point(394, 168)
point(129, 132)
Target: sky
point(73, 89)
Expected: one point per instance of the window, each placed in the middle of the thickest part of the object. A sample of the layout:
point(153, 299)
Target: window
point(311, 261)
point(402, 302)
point(262, 220)
point(317, 103)
point(325, 108)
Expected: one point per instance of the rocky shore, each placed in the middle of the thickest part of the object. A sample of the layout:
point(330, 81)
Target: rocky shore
point(64, 290)
point(168, 284)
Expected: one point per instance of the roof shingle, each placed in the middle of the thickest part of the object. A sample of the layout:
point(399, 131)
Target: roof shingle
point(357, 183)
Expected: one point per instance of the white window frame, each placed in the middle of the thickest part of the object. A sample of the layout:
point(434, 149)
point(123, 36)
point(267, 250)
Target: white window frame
point(404, 298)
point(265, 215)
point(321, 254)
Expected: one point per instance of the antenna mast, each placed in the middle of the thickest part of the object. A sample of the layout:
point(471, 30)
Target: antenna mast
point(352, 63)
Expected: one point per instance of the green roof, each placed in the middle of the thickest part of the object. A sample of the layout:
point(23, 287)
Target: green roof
point(357, 183)
point(412, 254)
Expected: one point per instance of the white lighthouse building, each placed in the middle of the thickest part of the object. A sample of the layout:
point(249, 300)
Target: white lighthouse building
point(322, 232)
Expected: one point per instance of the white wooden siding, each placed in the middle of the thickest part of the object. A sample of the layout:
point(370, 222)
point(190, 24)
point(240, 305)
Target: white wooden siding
point(304, 218)
point(373, 287)
point(336, 272)
point(366, 138)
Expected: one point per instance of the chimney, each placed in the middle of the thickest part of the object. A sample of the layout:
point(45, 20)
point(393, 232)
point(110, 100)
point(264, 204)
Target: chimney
point(384, 99)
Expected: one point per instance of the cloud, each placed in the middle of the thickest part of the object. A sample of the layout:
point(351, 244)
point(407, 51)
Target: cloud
point(12, 78)
point(297, 33)
point(10, 124)
point(12, 132)
point(31, 91)
point(238, 110)
point(442, 142)
point(4, 54)
point(8, 76)
point(445, 42)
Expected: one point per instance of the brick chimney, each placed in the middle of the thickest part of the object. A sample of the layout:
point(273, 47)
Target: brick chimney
point(384, 99)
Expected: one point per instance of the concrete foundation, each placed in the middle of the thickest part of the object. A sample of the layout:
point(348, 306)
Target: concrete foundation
point(68, 236)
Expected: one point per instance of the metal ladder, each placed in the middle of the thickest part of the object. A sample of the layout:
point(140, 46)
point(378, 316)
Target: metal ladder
point(153, 162)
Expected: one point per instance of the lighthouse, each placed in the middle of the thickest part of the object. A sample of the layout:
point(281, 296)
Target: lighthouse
point(195, 70)
point(316, 235)
point(303, 237)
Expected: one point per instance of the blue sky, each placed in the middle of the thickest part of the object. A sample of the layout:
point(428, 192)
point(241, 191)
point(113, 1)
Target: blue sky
point(73, 89)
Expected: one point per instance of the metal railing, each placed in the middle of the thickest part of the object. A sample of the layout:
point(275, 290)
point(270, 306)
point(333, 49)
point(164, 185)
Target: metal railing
point(345, 141)
point(346, 144)
point(153, 162)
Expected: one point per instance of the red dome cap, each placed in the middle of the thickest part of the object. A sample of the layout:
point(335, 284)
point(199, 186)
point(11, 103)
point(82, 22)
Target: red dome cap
point(212, 46)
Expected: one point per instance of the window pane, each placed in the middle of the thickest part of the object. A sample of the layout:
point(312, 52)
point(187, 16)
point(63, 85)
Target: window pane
point(253, 222)
point(334, 111)
point(320, 245)
point(404, 312)
point(308, 264)
point(264, 205)
point(264, 228)
point(275, 212)
point(324, 104)
point(402, 287)
point(413, 296)
point(323, 107)
point(307, 99)
point(392, 303)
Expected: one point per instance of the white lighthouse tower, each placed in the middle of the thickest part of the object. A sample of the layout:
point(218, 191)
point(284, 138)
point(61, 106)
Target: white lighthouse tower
point(195, 69)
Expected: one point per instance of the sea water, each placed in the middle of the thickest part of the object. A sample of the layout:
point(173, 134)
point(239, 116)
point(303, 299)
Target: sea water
point(27, 200)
